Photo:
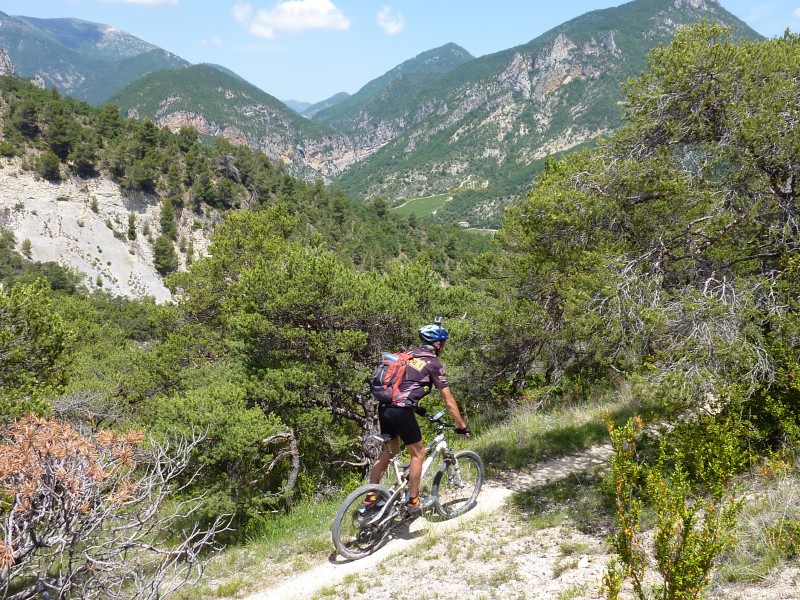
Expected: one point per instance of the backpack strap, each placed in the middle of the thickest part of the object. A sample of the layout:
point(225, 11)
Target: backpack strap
point(402, 364)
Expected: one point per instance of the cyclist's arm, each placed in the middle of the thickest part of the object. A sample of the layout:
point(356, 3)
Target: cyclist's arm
point(452, 407)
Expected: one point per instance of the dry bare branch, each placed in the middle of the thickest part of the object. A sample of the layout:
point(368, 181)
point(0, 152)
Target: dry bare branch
point(92, 517)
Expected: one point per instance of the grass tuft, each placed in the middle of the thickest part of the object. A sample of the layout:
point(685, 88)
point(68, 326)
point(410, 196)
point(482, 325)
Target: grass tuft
point(529, 435)
point(767, 530)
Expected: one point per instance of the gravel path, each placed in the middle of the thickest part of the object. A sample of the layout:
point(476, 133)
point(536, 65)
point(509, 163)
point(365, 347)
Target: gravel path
point(493, 554)
point(420, 531)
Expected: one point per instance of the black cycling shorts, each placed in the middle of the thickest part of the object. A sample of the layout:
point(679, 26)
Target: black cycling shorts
point(396, 420)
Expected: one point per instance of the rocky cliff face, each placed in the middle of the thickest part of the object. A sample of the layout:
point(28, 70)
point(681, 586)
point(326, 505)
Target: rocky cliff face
point(6, 68)
point(325, 157)
point(427, 125)
point(507, 117)
point(514, 108)
point(62, 226)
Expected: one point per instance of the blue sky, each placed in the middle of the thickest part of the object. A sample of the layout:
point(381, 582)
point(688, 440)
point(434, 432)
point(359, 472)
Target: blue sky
point(309, 50)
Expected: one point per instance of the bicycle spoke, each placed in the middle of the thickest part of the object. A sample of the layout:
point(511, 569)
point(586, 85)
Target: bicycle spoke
point(457, 484)
point(355, 532)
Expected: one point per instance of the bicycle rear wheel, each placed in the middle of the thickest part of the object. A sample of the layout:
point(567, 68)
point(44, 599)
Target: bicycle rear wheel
point(353, 535)
point(457, 484)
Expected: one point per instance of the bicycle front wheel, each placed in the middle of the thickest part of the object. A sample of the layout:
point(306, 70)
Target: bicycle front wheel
point(354, 535)
point(457, 484)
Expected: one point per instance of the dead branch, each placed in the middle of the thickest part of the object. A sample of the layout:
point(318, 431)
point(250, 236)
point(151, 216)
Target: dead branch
point(89, 516)
point(292, 451)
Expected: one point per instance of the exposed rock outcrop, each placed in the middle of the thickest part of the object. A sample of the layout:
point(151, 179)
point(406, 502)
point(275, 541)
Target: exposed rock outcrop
point(554, 67)
point(62, 225)
point(6, 67)
point(694, 4)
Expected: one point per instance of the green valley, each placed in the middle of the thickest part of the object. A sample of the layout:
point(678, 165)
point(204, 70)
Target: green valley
point(422, 207)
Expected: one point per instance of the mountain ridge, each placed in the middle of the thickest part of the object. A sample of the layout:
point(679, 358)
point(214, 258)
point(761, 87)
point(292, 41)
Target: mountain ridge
point(215, 103)
point(431, 123)
point(86, 60)
point(494, 119)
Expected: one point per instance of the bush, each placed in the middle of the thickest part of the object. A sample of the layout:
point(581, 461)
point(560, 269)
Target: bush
point(8, 149)
point(690, 530)
point(34, 347)
point(165, 258)
point(96, 507)
point(242, 472)
point(47, 166)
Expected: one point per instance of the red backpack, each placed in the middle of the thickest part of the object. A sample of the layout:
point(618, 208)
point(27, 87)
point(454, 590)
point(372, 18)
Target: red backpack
point(389, 374)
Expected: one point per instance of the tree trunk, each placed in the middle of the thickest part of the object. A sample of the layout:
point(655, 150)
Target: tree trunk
point(370, 447)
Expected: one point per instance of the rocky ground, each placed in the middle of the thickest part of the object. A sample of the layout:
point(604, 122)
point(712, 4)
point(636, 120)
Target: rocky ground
point(494, 552)
point(83, 224)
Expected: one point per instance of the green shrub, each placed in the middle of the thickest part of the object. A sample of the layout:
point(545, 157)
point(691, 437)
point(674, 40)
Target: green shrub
point(35, 345)
point(712, 450)
point(237, 477)
point(785, 536)
point(8, 149)
point(690, 530)
point(47, 166)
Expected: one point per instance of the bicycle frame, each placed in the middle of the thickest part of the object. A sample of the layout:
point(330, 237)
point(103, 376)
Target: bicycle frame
point(438, 445)
point(360, 525)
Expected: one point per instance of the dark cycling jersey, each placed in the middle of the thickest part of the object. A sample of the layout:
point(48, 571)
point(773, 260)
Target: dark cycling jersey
point(421, 373)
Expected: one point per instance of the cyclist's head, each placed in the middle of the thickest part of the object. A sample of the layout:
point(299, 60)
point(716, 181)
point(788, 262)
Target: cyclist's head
point(433, 335)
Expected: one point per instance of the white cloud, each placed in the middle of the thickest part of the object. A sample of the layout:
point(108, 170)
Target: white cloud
point(391, 23)
point(211, 42)
point(242, 12)
point(796, 12)
point(293, 16)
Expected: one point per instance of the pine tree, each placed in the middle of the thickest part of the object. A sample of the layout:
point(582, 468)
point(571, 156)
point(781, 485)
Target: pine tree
point(167, 221)
point(165, 258)
point(131, 226)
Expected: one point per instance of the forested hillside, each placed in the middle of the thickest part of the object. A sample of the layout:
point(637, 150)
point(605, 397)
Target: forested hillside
point(493, 120)
point(662, 262)
point(89, 61)
point(475, 129)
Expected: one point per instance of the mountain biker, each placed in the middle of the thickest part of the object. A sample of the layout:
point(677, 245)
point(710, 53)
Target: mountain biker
point(397, 419)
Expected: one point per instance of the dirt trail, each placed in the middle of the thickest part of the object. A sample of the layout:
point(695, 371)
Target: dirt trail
point(494, 554)
point(492, 497)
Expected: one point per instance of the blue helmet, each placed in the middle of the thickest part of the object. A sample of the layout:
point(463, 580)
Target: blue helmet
point(433, 333)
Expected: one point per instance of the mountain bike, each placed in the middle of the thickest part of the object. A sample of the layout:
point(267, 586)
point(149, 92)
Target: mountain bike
point(359, 529)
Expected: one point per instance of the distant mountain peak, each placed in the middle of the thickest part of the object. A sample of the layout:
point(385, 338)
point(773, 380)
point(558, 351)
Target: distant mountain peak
point(86, 60)
point(694, 4)
point(439, 59)
point(104, 41)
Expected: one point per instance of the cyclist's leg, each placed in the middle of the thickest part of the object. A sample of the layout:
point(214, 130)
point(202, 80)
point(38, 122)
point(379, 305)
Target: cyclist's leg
point(390, 449)
point(417, 452)
point(407, 427)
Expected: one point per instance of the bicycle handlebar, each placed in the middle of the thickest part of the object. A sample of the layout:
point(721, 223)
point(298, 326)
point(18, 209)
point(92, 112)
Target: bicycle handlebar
point(437, 418)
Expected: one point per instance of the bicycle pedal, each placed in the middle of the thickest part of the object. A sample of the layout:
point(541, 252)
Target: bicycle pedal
point(413, 511)
point(372, 506)
point(427, 502)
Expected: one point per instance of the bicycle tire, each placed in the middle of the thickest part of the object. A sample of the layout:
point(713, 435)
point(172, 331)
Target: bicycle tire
point(350, 538)
point(456, 491)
